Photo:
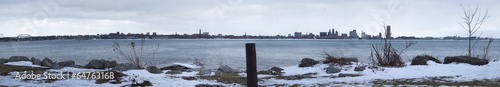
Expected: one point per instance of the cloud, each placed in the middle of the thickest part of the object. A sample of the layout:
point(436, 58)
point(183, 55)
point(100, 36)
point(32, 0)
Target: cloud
point(416, 18)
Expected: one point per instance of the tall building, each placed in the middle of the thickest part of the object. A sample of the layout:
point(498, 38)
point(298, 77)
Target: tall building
point(388, 32)
point(322, 34)
point(298, 34)
point(329, 32)
point(199, 34)
point(353, 34)
point(379, 35)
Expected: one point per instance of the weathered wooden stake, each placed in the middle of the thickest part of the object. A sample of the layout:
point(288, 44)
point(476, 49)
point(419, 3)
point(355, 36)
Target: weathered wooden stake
point(251, 65)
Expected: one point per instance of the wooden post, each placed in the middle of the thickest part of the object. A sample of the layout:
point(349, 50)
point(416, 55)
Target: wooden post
point(251, 65)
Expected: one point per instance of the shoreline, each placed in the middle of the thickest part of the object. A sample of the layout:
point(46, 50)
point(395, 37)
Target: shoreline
point(433, 74)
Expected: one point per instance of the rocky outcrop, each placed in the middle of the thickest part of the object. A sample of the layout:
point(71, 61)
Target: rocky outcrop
point(47, 62)
point(465, 59)
point(100, 64)
point(359, 68)
point(272, 71)
point(174, 72)
point(36, 61)
point(352, 59)
point(226, 69)
point(125, 67)
point(3, 60)
point(153, 69)
point(307, 62)
point(205, 72)
point(66, 63)
point(18, 58)
point(332, 69)
point(422, 60)
point(175, 67)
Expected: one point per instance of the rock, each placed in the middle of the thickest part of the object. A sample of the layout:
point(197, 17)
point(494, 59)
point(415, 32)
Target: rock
point(3, 60)
point(154, 70)
point(331, 70)
point(359, 68)
point(125, 67)
point(226, 69)
point(174, 72)
point(307, 62)
point(66, 63)
point(276, 71)
point(465, 59)
point(100, 64)
point(352, 59)
point(218, 72)
point(47, 62)
point(422, 60)
point(56, 66)
point(18, 58)
point(175, 67)
point(205, 72)
point(272, 71)
point(36, 61)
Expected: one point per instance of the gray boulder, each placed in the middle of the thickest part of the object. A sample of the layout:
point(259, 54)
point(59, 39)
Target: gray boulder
point(153, 69)
point(272, 71)
point(205, 72)
point(331, 70)
point(218, 72)
point(3, 60)
point(66, 63)
point(276, 70)
point(307, 62)
point(352, 59)
point(422, 60)
point(465, 59)
point(47, 62)
point(18, 58)
point(125, 67)
point(359, 68)
point(226, 69)
point(175, 67)
point(174, 72)
point(36, 61)
point(56, 66)
point(100, 64)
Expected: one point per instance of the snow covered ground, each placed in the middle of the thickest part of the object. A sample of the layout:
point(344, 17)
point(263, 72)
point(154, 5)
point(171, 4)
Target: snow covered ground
point(459, 72)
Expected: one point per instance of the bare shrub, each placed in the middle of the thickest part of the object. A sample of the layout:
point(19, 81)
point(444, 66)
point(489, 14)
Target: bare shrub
point(486, 48)
point(336, 60)
point(131, 57)
point(388, 56)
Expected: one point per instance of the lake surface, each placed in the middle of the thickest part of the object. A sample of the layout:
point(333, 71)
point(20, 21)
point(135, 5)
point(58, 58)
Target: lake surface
point(230, 52)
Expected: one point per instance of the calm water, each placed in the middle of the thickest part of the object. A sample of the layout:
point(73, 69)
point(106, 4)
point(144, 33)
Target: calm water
point(232, 52)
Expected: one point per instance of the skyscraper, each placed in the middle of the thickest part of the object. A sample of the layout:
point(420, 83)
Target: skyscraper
point(388, 32)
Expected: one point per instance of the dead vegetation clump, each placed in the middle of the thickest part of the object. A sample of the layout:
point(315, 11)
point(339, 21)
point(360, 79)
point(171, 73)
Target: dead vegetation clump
point(329, 59)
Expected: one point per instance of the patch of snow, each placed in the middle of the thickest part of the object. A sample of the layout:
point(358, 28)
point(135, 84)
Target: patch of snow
point(192, 66)
point(24, 63)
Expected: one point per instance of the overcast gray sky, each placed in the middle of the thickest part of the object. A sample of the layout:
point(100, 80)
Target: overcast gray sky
point(236, 17)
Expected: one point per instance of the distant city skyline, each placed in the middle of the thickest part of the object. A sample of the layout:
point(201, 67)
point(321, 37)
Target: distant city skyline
point(239, 17)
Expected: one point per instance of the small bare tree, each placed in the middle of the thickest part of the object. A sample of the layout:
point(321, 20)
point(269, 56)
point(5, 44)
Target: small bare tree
point(473, 19)
point(132, 57)
point(387, 55)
